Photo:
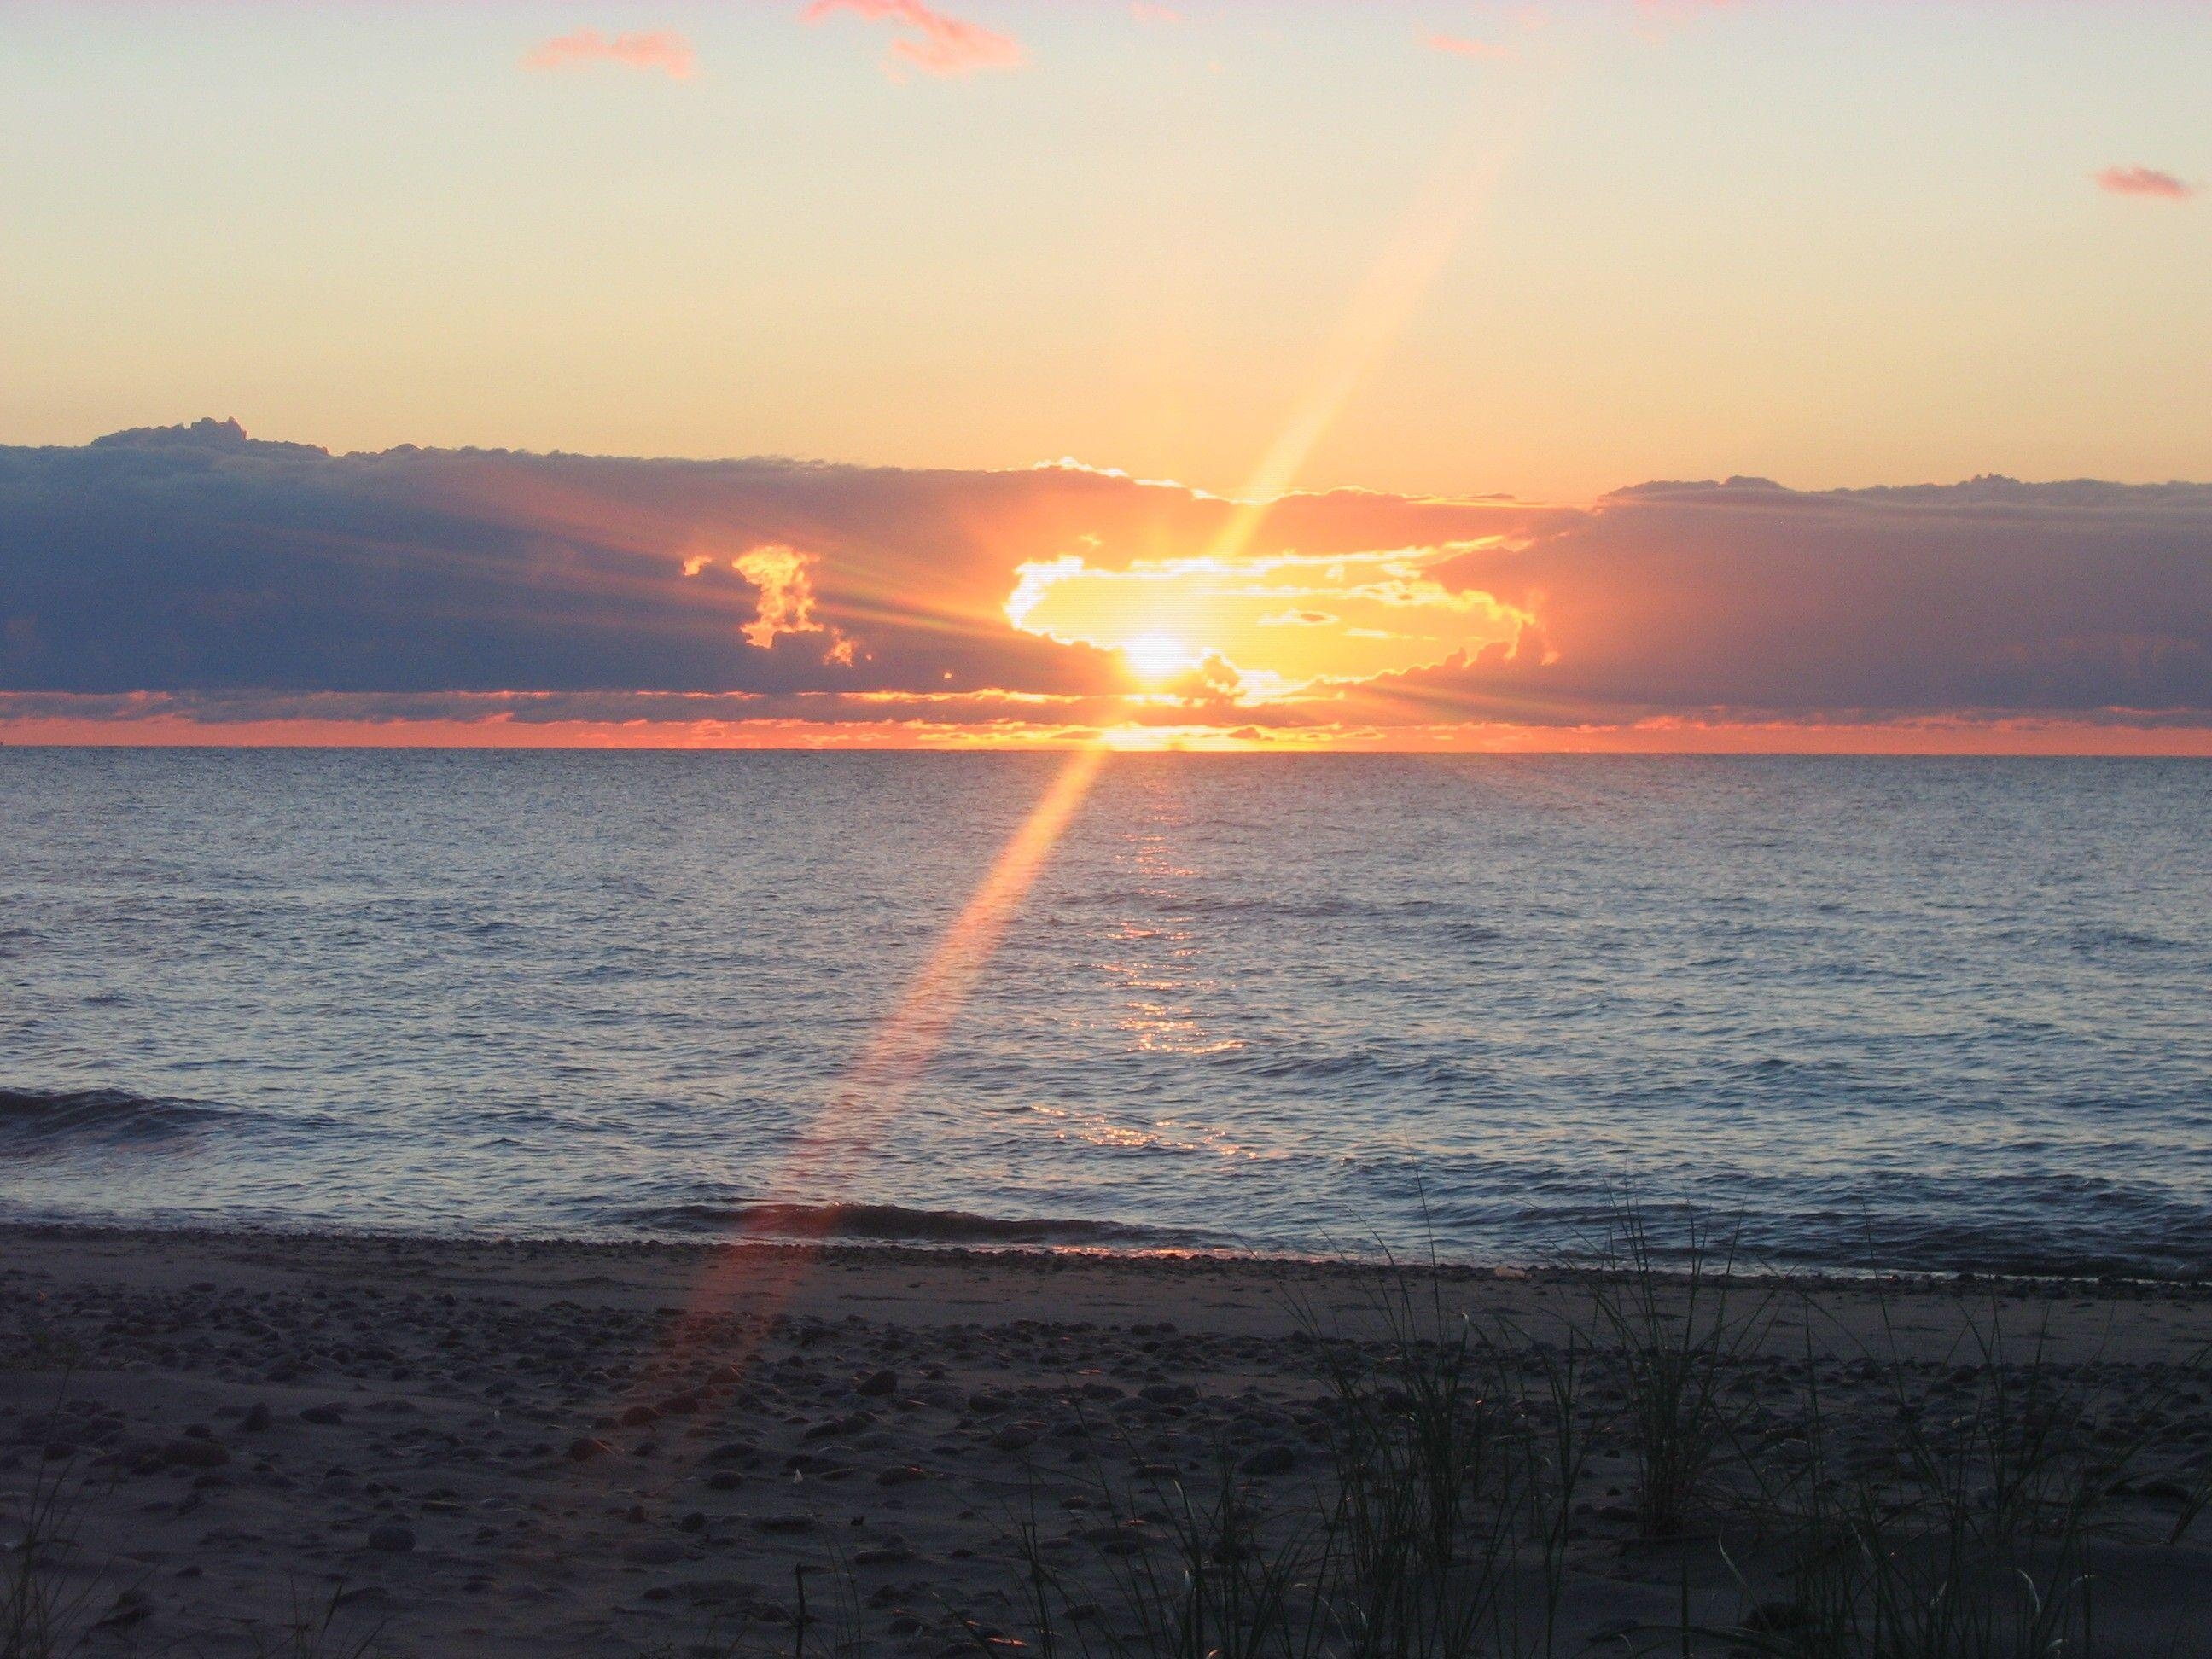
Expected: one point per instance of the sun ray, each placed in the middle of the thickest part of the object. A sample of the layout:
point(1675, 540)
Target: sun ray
point(1431, 230)
point(874, 1091)
point(873, 1088)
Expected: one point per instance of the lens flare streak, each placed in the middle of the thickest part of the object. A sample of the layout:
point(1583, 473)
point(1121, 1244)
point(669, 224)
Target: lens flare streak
point(875, 1088)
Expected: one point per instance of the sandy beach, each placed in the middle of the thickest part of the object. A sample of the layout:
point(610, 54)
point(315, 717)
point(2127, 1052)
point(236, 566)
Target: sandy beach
point(270, 1444)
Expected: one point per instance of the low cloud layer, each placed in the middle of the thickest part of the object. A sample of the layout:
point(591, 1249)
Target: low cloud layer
point(193, 574)
point(1747, 601)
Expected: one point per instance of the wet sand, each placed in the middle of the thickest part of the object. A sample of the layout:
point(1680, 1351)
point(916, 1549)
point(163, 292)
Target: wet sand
point(456, 1448)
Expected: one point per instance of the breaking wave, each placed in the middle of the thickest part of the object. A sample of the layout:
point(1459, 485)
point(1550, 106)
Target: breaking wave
point(895, 1224)
point(35, 1120)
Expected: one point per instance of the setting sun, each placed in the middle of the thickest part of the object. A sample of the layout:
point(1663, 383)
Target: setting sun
point(1155, 655)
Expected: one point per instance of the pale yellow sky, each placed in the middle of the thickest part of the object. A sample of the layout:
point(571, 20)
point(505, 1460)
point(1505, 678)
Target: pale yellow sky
point(1841, 243)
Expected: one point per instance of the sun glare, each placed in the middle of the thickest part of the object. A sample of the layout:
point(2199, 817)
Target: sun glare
point(1155, 656)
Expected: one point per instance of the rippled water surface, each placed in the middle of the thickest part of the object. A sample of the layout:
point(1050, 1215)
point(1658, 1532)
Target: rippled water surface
point(1922, 1013)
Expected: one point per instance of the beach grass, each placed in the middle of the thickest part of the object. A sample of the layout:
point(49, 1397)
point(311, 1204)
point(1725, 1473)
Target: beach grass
point(1958, 1525)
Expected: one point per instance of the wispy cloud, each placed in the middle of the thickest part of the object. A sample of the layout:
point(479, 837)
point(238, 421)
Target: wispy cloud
point(930, 41)
point(2145, 181)
point(658, 51)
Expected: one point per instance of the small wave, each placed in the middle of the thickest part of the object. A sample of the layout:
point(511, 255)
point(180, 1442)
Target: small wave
point(892, 1224)
point(2114, 937)
point(35, 1120)
point(1266, 906)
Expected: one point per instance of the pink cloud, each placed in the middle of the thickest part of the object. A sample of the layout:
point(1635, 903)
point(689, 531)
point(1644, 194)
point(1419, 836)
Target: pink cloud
point(2144, 181)
point(933, 42)
point(1460, 47)
point(656, 52)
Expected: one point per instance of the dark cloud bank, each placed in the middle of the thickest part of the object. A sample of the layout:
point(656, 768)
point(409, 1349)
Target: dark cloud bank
point(254, 580)
point(1994, 597)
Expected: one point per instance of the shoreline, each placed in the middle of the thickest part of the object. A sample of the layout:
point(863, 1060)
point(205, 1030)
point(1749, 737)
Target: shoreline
point(1560, 1269)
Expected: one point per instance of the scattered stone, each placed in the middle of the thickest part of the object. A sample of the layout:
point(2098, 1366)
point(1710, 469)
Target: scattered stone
point(1125, 1539)
point(196, 1452)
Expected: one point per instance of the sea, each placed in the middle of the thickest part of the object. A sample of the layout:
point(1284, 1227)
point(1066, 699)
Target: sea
point(1923, 1015)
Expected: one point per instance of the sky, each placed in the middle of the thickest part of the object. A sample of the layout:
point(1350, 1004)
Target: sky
point(1317, 373)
